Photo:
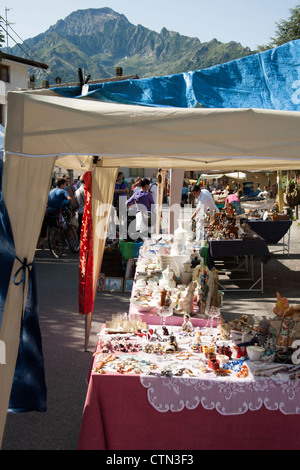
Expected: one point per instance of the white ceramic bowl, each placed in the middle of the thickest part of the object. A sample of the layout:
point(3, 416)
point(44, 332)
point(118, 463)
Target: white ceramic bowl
point(255, 353)
point(143, 308)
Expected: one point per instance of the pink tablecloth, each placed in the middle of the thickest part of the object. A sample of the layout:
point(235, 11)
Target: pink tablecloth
point(118, 415)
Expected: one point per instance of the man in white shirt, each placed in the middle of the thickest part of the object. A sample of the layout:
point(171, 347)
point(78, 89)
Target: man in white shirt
point(205, 204)
point(205, 201)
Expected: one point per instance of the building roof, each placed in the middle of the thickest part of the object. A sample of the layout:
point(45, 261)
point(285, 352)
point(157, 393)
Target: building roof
point(21, 60)
point(101, 80)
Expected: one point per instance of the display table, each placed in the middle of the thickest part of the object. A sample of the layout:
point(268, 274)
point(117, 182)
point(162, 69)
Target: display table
point(273, 231)
point(255, 247)
point(150, 412)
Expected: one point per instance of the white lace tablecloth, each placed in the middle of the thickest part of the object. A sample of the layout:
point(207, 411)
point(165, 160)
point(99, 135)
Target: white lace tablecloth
point(227, 397)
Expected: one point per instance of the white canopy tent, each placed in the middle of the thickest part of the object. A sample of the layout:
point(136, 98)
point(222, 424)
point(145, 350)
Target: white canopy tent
point(41, 123)
point(44, 129)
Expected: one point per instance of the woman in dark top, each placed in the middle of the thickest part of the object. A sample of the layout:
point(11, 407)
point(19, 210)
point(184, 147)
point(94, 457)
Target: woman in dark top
point(144, 202)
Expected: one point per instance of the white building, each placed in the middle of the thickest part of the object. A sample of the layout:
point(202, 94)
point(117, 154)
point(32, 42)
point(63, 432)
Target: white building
point(14, 76)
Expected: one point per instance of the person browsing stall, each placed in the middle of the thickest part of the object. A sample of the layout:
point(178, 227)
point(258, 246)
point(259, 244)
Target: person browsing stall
point(144, 202)
point(205, 205)
point(206, 202)
point(80, 201)
point(121, 190)
point(58, 199)
point(233, 199)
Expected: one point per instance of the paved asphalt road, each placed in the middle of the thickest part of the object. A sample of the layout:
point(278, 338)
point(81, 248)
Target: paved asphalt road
point(62, 329)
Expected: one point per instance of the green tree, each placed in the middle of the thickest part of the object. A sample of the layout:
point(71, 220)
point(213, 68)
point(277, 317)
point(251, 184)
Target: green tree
point(286, 30)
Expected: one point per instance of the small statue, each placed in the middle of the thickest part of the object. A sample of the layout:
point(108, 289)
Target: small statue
point(283, 309)
point(185, 303)
point(165, 331)
point(240, 323)
point(262, 332)
point(232, 230)
point(187, 324)
point(172, 346)
point(287, 315)
point(247, 232)
point(247, 335)
point(165, 298)
point(225, 330)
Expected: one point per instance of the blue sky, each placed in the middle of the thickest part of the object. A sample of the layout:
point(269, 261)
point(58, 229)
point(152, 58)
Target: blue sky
point(251, 23)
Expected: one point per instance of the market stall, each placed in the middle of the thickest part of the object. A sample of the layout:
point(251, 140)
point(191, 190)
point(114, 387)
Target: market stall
point(207, 413)
point(97, 134)
point(190, 380)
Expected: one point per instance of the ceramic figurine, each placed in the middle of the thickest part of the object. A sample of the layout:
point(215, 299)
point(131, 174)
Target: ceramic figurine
point(167, 280)
point(172, 346)
point(247, 335)
point(283, 309)
point(232, 230)
point(239, 323)
point(262, 333)
point(186, 274)
point(187, 324)
point(185, 303)
point(225, 330)
point(288, 317)
point(197, 272)
point(163, 295)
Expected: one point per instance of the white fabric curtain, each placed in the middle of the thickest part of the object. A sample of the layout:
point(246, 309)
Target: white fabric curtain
point(103, 185)
point(26, 184)
point(104, 180)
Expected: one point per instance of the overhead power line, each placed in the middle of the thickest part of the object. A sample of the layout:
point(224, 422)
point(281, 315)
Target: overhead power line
point(25, 52)
point(32, 51)
point(25, 43)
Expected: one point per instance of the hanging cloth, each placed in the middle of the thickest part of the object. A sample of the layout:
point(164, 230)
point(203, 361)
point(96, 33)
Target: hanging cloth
point(86, 263)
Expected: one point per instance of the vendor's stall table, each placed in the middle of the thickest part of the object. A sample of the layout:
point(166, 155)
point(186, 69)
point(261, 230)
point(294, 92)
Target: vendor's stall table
point(148, 412)
point(273, 231)
point(256, 247)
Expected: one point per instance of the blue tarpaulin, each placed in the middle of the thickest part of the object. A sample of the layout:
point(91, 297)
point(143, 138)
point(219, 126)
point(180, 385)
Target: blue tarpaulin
point(267, 80)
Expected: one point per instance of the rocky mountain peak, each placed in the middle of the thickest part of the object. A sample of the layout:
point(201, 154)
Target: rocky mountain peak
point(88, 22)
